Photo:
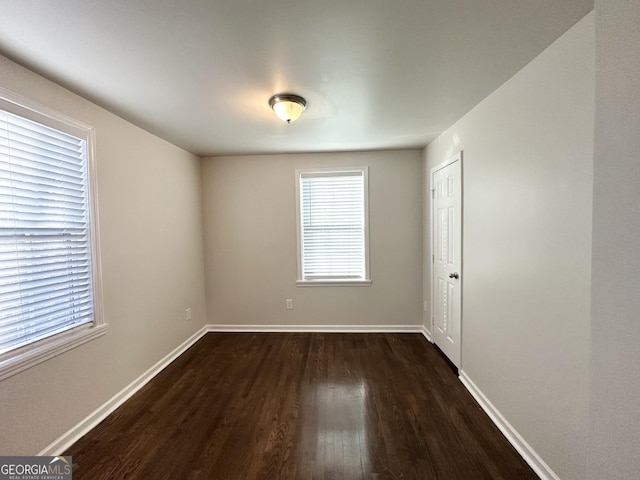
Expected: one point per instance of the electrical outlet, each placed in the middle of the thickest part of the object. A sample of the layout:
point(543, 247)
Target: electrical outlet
point(289, 302)
point(187, 314)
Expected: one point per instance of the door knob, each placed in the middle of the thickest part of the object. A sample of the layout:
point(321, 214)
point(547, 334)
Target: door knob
point(454, 275)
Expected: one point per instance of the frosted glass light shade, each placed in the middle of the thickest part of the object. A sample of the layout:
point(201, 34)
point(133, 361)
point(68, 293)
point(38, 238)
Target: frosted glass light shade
point(288, 107)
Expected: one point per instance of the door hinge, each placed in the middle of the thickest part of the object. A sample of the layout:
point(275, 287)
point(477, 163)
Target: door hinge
point(433, 259)
point(433, 193)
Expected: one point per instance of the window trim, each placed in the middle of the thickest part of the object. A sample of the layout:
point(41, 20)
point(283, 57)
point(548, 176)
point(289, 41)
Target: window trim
point(332, 282)
point(27, 356)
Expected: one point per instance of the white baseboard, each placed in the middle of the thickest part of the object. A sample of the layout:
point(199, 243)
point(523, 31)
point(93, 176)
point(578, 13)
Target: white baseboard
point(524, 449)
point(426, 333)
point(65, 441)
point(316, 328)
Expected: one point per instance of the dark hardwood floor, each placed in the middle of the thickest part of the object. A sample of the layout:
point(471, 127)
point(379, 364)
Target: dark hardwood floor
point(240, 406)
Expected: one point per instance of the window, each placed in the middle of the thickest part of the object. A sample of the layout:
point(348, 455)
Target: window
point(49, 275)
point(333, 232)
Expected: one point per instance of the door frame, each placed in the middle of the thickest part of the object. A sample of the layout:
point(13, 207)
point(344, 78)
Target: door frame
point(457, 157)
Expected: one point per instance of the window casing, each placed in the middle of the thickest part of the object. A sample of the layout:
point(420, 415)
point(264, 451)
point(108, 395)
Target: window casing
point(332, 218)
point(50, 292)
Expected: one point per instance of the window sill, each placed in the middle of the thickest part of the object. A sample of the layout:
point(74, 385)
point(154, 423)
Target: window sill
point(333, 283)
point(22, 359)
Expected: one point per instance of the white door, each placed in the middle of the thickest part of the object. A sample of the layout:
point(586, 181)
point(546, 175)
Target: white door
point(446, 228)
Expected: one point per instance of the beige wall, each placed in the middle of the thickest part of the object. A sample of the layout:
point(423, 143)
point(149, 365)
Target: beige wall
point(527, 172)
point(152, 266)
point(250, 242)
point(614, 401)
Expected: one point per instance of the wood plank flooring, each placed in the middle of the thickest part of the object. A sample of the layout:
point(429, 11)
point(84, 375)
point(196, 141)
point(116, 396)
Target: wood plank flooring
point(241, 406)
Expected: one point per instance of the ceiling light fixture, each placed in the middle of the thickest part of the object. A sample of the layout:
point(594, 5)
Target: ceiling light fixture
point(288, 107)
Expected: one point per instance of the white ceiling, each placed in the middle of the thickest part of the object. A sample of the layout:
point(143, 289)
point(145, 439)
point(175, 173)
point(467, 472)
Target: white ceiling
point(377, 74)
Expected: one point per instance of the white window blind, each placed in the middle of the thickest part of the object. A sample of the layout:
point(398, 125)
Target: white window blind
point(45, 245)
point(332, 221)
